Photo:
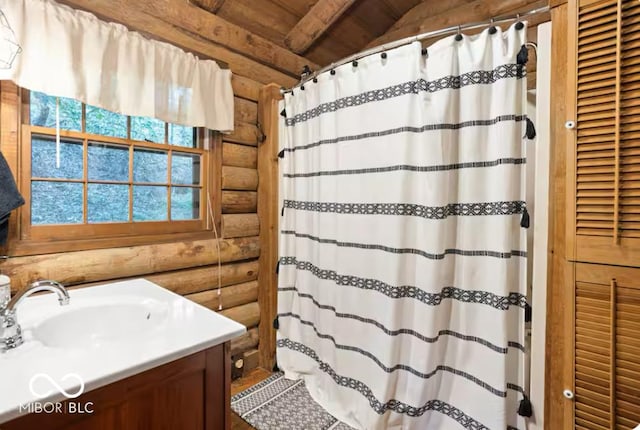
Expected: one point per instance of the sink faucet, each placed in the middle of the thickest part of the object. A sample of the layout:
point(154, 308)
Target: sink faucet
point(10, 332)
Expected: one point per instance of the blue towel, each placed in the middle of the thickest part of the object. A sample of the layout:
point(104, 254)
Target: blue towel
point(10, 198)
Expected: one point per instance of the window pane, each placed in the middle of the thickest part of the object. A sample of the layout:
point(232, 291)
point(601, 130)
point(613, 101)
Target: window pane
point(43, 158)
point(181, 135)
point(185, 203)
point(56, 203)
point(185, 169)
point(150, 166)
point(42, 111)
point(108, 162)
point(149, 203)
point(107, 203)
point(147, 129)
point(106, 123)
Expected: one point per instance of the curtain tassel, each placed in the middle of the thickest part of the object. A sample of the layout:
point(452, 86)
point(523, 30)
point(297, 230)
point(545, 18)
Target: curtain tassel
point(523, 55)
point(278, 267)
point(276, 323)
point(531, 130)
point(525, 409)
point(525, 221)
point(281, 154)
point(283, 113)
point(528, 313)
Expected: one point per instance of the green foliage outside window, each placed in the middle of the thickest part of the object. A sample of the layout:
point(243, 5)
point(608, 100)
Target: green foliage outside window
point(62, 202)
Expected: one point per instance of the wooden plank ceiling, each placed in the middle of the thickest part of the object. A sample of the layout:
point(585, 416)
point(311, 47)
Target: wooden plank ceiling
point(349, 25)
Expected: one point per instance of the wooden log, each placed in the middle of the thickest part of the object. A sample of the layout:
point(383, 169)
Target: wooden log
point(243, 133)
point(424, 10)
point(251, 360)
point(245, 110)
point(80, 267)
point(212, 6)
point(125, 12)
point(230, 297)
point(318, 20)
point(245, 87)
point(240, 225)
point(268, 213)
point(239, 178)
point(243, 343)
point(190, 281)
point(239, 155)
point(247, 315)
point(239, 202)
point(217, 30)
point(474, 11)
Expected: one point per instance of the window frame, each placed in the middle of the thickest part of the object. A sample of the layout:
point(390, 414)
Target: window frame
point(28, 239)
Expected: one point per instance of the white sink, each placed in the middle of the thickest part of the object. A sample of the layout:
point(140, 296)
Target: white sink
point(90, 325)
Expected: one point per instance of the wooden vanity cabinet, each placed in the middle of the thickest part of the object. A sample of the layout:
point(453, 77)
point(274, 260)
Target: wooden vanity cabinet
point(187, 394)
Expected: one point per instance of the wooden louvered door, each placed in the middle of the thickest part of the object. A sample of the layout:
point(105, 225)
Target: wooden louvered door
point(604, 163)
point(607, 347)
point(603, 188)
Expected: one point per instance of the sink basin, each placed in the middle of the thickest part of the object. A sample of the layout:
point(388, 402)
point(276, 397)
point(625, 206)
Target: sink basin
point(92, 325)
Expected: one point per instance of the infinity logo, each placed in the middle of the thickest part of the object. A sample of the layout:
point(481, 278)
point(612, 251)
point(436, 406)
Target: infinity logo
point(49, 379)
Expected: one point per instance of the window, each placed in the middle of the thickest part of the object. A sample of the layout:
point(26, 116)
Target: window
point(111, 174)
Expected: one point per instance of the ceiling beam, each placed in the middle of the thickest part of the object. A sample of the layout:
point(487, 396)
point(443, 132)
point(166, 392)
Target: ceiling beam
point(212, 6)
point(319, 18)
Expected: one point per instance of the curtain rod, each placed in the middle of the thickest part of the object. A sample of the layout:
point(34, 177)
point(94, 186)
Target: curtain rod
point(411, 39)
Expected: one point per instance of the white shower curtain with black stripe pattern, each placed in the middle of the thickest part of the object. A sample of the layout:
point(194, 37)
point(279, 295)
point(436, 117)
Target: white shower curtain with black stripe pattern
point(402, 288)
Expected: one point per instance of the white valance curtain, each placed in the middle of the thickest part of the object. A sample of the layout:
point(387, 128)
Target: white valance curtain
point(70, 53)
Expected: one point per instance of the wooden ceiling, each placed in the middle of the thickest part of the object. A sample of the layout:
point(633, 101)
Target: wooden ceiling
point(324, 31)
point(360, 23)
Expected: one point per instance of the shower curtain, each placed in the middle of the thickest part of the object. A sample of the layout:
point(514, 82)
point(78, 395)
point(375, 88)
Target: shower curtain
point(401, 293)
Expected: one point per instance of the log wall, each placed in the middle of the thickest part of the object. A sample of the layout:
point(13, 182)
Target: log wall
point(188, 267)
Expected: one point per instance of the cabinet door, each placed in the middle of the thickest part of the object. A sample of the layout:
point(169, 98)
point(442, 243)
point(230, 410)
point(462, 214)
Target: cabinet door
point(604, 161)
point(607, 347)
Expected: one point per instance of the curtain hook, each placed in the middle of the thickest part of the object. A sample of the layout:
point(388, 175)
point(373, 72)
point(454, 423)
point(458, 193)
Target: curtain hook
point(519, 24)
point(459, 35)
point(492, 29)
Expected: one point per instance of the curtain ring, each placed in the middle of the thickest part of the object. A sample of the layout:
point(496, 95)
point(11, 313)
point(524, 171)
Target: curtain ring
point(519, 24)
point(459, 35)
point(493, 29)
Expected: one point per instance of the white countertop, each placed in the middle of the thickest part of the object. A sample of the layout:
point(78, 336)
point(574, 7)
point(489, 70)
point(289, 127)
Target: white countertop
point(182, 328)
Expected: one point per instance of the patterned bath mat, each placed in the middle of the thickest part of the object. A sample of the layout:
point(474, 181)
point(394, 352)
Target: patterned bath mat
point(278, 403)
